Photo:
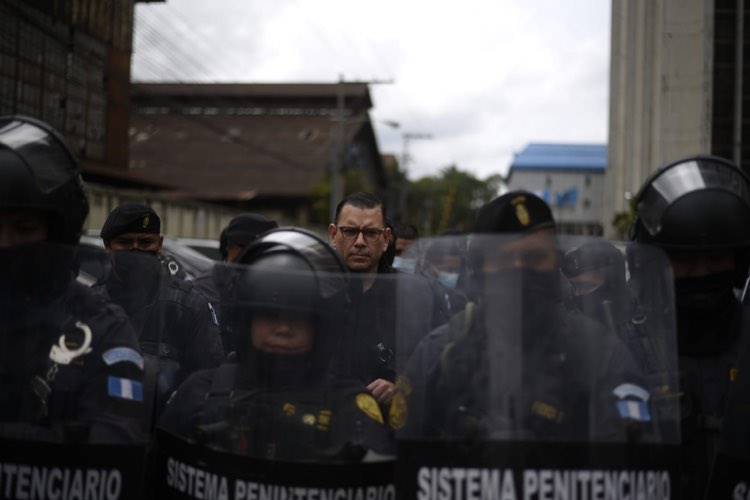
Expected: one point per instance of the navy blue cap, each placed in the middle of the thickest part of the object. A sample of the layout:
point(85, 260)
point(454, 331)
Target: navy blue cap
point(130, 217)
point(514, 212)
point(243, 230)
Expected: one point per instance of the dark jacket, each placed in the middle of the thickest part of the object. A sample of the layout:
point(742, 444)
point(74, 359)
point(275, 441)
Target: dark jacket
point(97, 396)
point(175, 325)
point(560, 387)
point(371, 345)
point(314, 420)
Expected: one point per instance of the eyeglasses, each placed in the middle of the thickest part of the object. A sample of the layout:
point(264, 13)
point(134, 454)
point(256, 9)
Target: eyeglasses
point(351, 233)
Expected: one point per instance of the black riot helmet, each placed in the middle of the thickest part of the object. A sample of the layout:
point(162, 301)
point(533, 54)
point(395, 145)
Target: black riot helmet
point(39, 172)
point(290, 269)
point(697, 203)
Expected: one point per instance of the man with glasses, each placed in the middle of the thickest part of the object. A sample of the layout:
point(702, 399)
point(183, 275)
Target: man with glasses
point(360, 237)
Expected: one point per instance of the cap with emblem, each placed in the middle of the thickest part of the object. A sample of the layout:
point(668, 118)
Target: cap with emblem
point(514, 212)
point(243, 230)
point(593, 255)
point(130, 217)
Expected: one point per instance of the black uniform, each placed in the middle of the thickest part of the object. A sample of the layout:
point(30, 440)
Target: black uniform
point(707, 373)
point(368, 350)
point(279, 401)
point(97, 396)
point(70, 367)
point(214, 285)
point(305, 420)
point(563, 390)
point(697, 210)
point(174, 324)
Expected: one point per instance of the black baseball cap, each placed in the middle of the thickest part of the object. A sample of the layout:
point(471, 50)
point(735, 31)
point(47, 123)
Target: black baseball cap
point(243, 230)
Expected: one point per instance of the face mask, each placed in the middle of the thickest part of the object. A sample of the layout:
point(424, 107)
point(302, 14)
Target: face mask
point(521, 302)
point(32, 275)
point(704, 295)
point(404, 265)
point(706, 308)
point(448, 280)
point(134, 276)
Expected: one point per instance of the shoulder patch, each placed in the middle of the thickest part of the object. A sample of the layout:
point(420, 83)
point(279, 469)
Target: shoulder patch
point(369, 406)
point(123, 355)
point(398, 412)
point(124, 388)
point(632, 403)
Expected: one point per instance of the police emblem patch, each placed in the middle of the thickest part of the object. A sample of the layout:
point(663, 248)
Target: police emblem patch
point(324, 419)
point(146, 221)
point(522, 214)
point(308, 419)
point(399, 412)
point(369, 407)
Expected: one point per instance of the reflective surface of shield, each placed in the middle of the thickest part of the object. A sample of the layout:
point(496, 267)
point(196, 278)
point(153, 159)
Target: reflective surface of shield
point(559, 374)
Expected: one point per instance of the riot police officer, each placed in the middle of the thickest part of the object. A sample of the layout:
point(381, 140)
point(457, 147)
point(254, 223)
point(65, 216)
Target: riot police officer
point(176, 325)
point(70, 366)
point(698, 210)
point(516, 365)
point(214, 284)
point(277, 400)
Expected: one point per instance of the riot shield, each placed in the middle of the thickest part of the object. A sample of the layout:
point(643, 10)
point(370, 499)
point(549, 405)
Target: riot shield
point(558, 379)
point(156, 308)
point(730, 473)
point(71, 382)
point(277, 420)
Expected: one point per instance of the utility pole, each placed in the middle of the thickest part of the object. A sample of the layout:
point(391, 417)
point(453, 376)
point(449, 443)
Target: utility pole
point(338, 154)
point(405, 159)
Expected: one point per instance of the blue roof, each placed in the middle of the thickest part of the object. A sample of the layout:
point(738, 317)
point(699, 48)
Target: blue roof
point(545, 156)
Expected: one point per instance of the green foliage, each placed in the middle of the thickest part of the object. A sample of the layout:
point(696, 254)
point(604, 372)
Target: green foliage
point(433, 204)
point(449, 200)
point(622, 221)
point(321, 198)
point(354, 180)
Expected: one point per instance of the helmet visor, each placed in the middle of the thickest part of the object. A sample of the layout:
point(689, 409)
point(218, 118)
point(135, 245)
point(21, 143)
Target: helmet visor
point(42, 151)
point(684, 178)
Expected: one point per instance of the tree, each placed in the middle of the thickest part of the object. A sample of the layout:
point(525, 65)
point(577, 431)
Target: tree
point(354, 180)
point(449, 200)
point(622, 221)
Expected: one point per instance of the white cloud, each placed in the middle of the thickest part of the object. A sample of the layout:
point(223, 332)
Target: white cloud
point(483, 77)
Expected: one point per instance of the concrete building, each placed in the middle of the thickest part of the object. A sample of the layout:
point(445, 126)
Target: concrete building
point(569, 177)
point(676, 89)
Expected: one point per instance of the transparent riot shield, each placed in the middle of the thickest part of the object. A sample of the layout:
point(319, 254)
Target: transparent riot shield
point(71, 382)
point(730, 473)
point(281, 418)
point(157, 308)
point(557, 379)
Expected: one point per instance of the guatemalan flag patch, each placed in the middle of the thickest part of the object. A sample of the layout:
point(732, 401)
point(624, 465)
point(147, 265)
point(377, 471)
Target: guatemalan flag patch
point(634, 410)
point(125, 388)
point(633, 402)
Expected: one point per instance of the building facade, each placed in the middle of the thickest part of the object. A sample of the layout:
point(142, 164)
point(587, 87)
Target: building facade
point(677, 88)
point(569, 177)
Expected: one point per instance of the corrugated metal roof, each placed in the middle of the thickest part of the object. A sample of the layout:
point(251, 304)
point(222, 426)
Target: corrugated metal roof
point(549, 156)
point(233, 157)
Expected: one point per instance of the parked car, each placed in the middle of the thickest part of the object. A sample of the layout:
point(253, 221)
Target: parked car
point(94, 264)
point(208, 247)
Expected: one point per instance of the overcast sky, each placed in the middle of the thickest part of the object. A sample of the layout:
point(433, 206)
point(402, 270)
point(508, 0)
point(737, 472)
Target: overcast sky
point(482, 77)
